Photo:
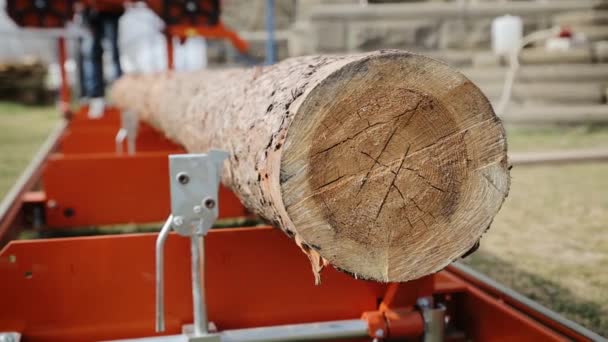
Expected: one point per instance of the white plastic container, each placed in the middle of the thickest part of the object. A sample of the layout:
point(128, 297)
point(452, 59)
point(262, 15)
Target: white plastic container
point(507, 34)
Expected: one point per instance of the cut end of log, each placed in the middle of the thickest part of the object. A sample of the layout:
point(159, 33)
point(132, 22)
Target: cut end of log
point(394, 166)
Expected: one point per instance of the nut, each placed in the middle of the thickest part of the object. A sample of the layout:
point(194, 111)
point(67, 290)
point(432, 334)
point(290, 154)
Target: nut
point(178, 221)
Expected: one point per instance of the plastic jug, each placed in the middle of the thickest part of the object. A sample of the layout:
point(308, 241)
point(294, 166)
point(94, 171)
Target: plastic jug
point(507, 33)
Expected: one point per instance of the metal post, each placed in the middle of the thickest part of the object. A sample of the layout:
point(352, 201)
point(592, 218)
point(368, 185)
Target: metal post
point(169, 47)
point(271, 56)
point(160, 295)
point(197, 243)
point(64, 90)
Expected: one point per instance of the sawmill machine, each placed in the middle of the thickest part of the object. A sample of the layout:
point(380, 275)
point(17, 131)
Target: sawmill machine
point(242, 284)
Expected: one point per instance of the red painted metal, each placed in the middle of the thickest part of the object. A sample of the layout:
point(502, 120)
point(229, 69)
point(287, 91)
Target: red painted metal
point(111, 118)
point(102, 140)
point(170, 51)
point(105, 188)
point(64, 89)
point(504, 299)
point(485, 318)
point(218, 31)
point(103, 287)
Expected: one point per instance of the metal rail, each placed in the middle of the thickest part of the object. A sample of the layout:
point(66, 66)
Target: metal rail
point(559, 157)
point(12, 201)
point(321, 331)
point(512, 297)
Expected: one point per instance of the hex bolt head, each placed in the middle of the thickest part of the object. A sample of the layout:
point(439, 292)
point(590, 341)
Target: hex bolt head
point(178, 221)
point(183, 178)
point(209, 203)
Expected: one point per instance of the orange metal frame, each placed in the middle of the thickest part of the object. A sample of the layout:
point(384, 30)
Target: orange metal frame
point(87, 183)
point(218, 31)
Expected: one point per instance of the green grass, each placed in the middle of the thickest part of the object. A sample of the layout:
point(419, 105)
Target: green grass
point(549, 242)
point(22, 131)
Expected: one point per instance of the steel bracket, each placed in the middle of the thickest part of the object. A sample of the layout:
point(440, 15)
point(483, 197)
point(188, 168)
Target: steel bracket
point(194, 181)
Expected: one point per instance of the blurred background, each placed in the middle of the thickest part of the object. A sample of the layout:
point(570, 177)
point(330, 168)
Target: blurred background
point(542, 63)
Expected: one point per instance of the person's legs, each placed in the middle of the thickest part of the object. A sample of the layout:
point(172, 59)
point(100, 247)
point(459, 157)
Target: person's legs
point(111, 32)
point(93, 63)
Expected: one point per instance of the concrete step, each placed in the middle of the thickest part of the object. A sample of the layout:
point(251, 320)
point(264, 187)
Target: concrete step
point(596, 17)
point(542, 56)
point(542, 73)
point(445, 10)
point(556, 115)
point(550, 93)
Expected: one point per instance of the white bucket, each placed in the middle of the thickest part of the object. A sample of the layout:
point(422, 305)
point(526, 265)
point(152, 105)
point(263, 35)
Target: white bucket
point(507, 34)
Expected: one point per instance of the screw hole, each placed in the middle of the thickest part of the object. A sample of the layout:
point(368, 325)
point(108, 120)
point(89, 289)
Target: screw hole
point(209, 203)
point(28, 274)
point(68, 212)
point(183, 178)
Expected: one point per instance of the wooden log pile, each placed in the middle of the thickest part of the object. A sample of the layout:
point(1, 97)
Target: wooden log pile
point(23, 81)
point(387, 165)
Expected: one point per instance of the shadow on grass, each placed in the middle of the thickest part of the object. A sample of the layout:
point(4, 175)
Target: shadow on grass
point(593, 316)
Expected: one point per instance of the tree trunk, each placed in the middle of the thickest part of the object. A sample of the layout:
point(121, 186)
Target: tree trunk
point(387, 165)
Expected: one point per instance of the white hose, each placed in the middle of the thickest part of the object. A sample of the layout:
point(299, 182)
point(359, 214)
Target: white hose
point(507, 89)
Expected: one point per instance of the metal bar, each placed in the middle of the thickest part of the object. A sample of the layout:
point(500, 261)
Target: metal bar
point(353, 328)
point(271, 57)
point(169, 48)
point(119, 139)
point(559, 157)
point(11, 202)
point(485, 283)
point(321, 331)
point(197, 244)
point(160, 295)
point(64, 90)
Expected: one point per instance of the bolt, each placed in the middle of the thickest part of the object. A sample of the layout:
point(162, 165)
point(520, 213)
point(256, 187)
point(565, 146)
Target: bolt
point(191, 6)
point(178, 221)
point(51, 204)
point(209, 203)
point(40, 4)
point(183, 178)
point(68, 212)
point(379, 333)
point(197, 209)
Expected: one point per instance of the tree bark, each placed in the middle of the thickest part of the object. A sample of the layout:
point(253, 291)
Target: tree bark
point(387, 165)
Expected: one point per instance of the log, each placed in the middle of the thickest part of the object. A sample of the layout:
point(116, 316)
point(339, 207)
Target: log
point(387, 165)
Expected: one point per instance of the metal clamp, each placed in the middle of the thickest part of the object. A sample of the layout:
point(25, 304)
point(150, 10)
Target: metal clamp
point(433, 315)
point(194, 182)
point(127, 131)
